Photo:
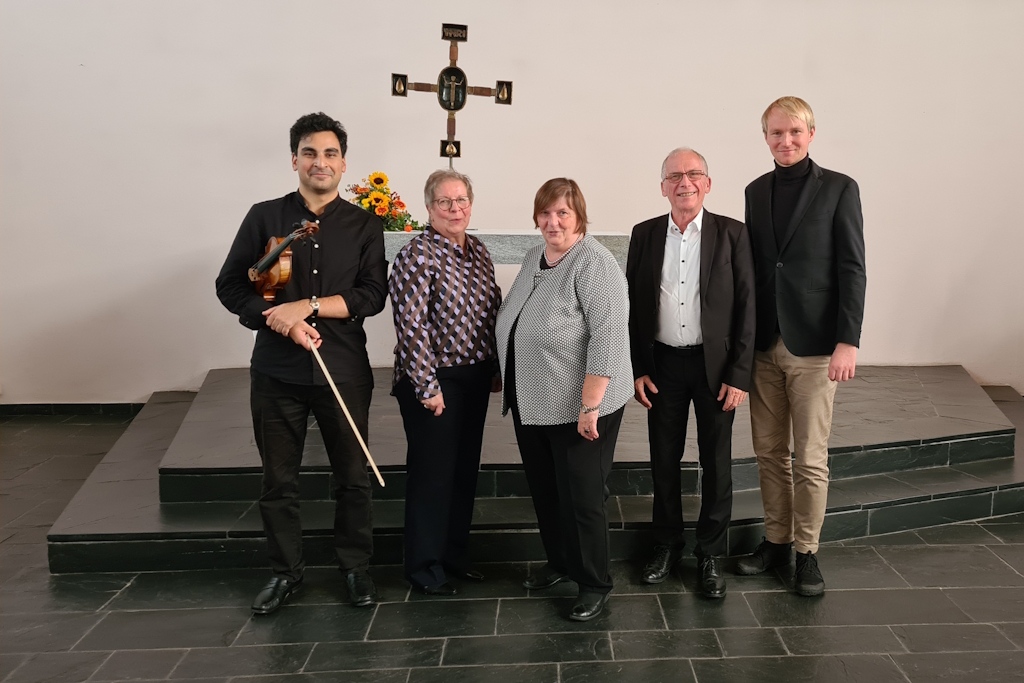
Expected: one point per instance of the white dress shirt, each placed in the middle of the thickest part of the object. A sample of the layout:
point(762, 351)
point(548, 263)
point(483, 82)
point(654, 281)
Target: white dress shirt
point(679, 300)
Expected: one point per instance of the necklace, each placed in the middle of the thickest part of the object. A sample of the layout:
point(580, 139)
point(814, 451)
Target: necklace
point(552, 264)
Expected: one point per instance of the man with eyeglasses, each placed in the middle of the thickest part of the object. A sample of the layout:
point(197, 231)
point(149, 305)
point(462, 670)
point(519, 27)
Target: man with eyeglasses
point(691, 328)
point(807, 234)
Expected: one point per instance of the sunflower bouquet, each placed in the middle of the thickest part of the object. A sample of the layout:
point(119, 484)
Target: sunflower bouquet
point(374, 195)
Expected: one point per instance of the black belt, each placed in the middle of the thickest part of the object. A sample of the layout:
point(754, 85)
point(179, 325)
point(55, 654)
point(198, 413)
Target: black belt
point(680, 350)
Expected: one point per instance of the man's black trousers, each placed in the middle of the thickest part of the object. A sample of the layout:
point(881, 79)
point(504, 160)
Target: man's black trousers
point(680, 377)
point(442, 462)
point(280, 412)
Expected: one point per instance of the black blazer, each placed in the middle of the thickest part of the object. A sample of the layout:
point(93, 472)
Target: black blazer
point(812, 285)
point(726, 298)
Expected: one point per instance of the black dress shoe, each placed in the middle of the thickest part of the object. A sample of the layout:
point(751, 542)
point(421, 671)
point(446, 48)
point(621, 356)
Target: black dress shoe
point(466, 574)
point(361, 591)
point(274, 594)
point(545, 578)
point(442, 589)
point(588, 606)
point(712, 578)
point(665, 557)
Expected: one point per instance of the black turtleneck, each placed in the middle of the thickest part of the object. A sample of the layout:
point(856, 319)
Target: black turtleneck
point(789, 180)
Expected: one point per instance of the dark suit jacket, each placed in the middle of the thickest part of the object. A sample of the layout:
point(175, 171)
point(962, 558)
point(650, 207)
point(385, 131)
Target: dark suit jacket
point(726, 298)
point(812, 284)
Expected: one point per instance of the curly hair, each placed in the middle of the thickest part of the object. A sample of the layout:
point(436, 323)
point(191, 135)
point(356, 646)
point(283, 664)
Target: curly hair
point(316, 123)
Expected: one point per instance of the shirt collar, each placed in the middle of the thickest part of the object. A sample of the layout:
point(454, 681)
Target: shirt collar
point(697, 222)
point(328, 209)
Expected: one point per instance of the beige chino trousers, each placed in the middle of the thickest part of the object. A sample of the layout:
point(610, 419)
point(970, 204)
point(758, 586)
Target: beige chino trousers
point(792, 392)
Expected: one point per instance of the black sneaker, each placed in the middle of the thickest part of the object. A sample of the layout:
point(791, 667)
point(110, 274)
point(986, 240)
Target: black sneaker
point(808, 577)
point(766, 556)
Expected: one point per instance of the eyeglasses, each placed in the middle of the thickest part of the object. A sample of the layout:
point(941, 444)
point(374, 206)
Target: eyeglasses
point(445, 204)
point(694, 176)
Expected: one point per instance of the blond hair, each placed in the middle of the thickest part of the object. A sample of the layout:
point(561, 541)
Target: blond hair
point(792, 106)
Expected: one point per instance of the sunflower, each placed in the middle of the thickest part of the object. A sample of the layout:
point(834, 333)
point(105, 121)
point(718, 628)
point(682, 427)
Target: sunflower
point(379, 199)
point(381, 210)
point(378, 180)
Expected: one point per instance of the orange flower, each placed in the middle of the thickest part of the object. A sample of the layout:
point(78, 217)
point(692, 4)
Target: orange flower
point(400, 205)
point(408, 228)
point(394, 213)
point(380, 210)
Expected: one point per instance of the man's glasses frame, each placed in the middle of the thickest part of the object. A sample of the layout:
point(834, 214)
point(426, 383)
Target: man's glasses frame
point(694, 176)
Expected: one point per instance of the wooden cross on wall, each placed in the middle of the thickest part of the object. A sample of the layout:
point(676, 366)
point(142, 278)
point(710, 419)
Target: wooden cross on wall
point(451, 88)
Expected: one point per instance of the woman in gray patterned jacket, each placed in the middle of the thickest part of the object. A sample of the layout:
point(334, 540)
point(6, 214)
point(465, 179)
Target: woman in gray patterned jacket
point(563, 344)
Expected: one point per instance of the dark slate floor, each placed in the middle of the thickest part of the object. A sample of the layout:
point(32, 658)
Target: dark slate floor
point(938, 604)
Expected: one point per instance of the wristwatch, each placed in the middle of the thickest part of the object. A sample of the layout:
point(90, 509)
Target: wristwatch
point(315, 305)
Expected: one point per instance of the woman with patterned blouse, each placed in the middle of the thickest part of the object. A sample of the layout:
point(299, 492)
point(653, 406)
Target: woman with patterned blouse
point(564, 348)
point(445, 300)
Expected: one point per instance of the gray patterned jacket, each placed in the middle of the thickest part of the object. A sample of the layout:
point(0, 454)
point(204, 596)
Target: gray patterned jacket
point(573, 321)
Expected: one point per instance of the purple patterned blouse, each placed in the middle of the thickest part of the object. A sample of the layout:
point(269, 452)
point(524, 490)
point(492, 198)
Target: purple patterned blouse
point(445, 301)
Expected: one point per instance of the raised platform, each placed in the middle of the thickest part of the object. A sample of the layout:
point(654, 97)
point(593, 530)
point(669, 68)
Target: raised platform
point(911, 447)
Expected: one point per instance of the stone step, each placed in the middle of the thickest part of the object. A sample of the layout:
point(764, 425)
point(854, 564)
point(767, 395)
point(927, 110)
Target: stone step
point(116, 522)
point(889, 419)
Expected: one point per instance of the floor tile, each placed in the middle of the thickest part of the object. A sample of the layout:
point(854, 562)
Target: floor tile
point(520, 673)
point(689, 610)
point(58, 667)
point(379, 676)
point(951, 566)
point(51, 632)
point(621, 613)
point(527, 649)
point(9, 663)
point(386, 655)
point(836, 640)
point(957, 534)
point(951, 637)
point(138, 664)
point(654, 671)
point(665, 644)
point(242, 661)
point(307, 624)
point(898, 538)
point(833, 669)
point(43, 592)
point(1012, 555)
point(856, 567)
point(989, 604)
point(200, 589)
point(434, 619)
point(153, 629)
point(750, 642)
point(1007, 533)
point(962, 667)
point(855, 608)
point(1014, 632)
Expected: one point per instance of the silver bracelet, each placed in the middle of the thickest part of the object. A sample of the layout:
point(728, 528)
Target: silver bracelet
point(589, 409)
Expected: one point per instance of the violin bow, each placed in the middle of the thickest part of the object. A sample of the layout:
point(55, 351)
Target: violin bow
point(344, 409)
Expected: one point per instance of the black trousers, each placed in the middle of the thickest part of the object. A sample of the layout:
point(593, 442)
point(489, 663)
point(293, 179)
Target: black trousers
point(568, 478)
point(279, 414)
point(442, 464)
point(681, 378)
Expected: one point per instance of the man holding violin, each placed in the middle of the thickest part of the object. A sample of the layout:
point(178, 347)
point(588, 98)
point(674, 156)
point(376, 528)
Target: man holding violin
point(338, 277)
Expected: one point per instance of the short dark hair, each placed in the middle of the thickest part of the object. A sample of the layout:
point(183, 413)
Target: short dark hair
point(561, 188)
point(316, 123)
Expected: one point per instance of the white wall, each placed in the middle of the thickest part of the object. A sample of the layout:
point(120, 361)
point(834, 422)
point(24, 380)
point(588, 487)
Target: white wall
point(135, 135)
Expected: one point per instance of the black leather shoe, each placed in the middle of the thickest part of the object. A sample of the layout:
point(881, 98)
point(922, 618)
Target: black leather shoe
point(664, 559)
point(361, 591)
point(808, 580)
point(442, 589)
point(588, 606)
point(466, 574)
point(712, 577)
point(545, 578)
point(766, 556)
point(274, 594)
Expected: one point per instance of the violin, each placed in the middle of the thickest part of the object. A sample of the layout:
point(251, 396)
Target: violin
point(274, 270)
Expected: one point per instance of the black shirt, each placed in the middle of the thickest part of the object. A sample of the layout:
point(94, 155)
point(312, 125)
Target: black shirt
point(345, 257)
point(789, 181)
